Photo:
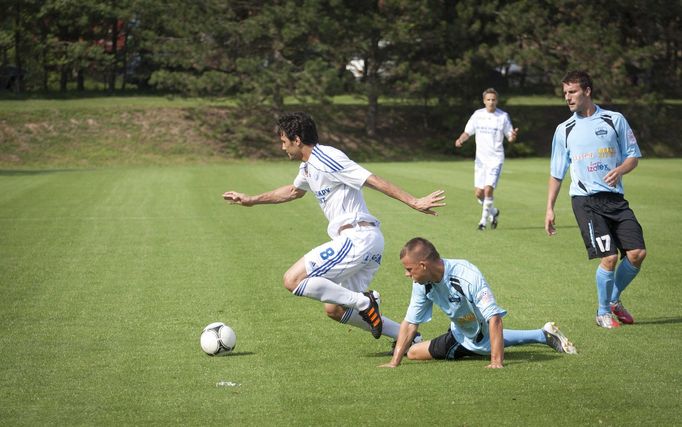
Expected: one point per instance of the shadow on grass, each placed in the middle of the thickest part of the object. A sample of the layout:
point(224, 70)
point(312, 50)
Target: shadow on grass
point(516, 355)
point(28, 172)
point(659, 321)
point(539, 227)
point(240, 353)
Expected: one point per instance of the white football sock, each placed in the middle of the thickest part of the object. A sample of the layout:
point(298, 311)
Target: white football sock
point(487, 210)
point(390, 328)
point(325, 290)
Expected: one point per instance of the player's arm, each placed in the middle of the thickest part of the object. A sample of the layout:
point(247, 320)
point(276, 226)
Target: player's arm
point(462, 139)
point(553, 188)
point(496, 342)
point(617, 173)
point(511, 137)
point(405, 336)
point(283, 194)
point(424, 204)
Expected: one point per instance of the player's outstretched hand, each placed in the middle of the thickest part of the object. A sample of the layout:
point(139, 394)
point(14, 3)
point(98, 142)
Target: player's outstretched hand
point(237, 198)
point(427, 203)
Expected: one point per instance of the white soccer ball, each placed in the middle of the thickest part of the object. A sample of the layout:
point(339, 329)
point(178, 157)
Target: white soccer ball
point(218, 339)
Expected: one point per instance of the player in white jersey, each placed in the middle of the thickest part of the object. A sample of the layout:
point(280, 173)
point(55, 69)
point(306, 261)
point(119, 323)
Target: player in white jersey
point(599, 148)
point(338, 272)
point(459, 289)
point(490, 125)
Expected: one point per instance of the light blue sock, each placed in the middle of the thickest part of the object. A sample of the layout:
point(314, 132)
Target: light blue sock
point(625, 272)
point(604, 290)
point(517, 337)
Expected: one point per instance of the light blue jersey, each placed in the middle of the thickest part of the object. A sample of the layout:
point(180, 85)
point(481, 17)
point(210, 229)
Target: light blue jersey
point(466, 299)
point(592, 146)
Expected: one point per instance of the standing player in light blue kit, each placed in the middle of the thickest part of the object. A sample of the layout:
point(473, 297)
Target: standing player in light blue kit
point(338, 272)
point(459, 289)
point(599, 148)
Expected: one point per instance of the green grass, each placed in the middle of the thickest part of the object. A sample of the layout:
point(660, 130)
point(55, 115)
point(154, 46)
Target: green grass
point(107, 277)
point(108, 103)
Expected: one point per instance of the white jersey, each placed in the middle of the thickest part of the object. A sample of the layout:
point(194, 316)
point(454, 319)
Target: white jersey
point(490, 130)
point(337, 183)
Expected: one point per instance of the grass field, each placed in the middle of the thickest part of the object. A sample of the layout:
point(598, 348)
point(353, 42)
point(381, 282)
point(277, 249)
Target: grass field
point(107, 277)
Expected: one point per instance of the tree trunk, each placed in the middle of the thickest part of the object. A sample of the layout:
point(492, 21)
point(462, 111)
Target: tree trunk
point(114, 55)
point(372, 112)
point(19, 80)
point(125, 59)
point(63, 80)
point(80, 81)
point(44, 52)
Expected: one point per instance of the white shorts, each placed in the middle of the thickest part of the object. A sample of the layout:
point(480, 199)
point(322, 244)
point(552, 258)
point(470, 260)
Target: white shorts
point(351, 260)
point(486, 174)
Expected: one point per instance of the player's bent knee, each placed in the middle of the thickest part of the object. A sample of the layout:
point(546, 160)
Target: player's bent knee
point(609, 262)
point(636, 256)
point(290, 281)
point(334, 311)
point(419, 351)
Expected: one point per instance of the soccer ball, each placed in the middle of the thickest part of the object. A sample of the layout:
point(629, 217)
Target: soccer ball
point(218, 339)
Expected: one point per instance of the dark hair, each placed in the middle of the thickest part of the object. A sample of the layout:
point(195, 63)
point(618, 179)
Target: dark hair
point(421, 249)
point(297, 124)
point(580, 77)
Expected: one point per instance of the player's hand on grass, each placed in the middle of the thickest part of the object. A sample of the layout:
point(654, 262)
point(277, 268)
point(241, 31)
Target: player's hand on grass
point(389, 365)
point(495, 365)
point(237, 198)
point(427, 203)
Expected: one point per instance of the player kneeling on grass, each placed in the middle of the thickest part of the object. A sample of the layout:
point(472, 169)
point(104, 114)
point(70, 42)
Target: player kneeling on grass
point(461, 291)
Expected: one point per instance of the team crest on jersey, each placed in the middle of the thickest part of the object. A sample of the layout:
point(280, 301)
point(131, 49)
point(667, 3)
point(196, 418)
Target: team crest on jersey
point(601, 132)
point(631, 138)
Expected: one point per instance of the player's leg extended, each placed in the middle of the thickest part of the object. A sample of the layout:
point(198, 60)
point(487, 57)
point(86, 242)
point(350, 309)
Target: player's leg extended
point(604, 278)
point(549, 335)
point(599, 243)
point(630, 240)
point(296, 280)
point(479, 189)
point(371, 242)
point(351, 317)
point(626, 271)
point(514, 337)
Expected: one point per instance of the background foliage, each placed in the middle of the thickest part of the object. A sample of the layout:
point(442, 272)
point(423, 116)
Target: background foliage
point(262, 51)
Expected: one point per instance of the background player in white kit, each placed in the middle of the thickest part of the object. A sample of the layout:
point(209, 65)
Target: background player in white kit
point(490, 125)
point(338, 272)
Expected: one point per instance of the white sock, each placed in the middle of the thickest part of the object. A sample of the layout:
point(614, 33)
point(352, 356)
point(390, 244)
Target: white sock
point(325, 290)
point(390, 328)
point(487, 210)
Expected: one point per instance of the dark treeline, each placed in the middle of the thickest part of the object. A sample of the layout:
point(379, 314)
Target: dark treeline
point(261, 51)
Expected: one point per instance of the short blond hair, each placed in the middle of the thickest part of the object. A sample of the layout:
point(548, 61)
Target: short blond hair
point(420, 249)
point(490, 90)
